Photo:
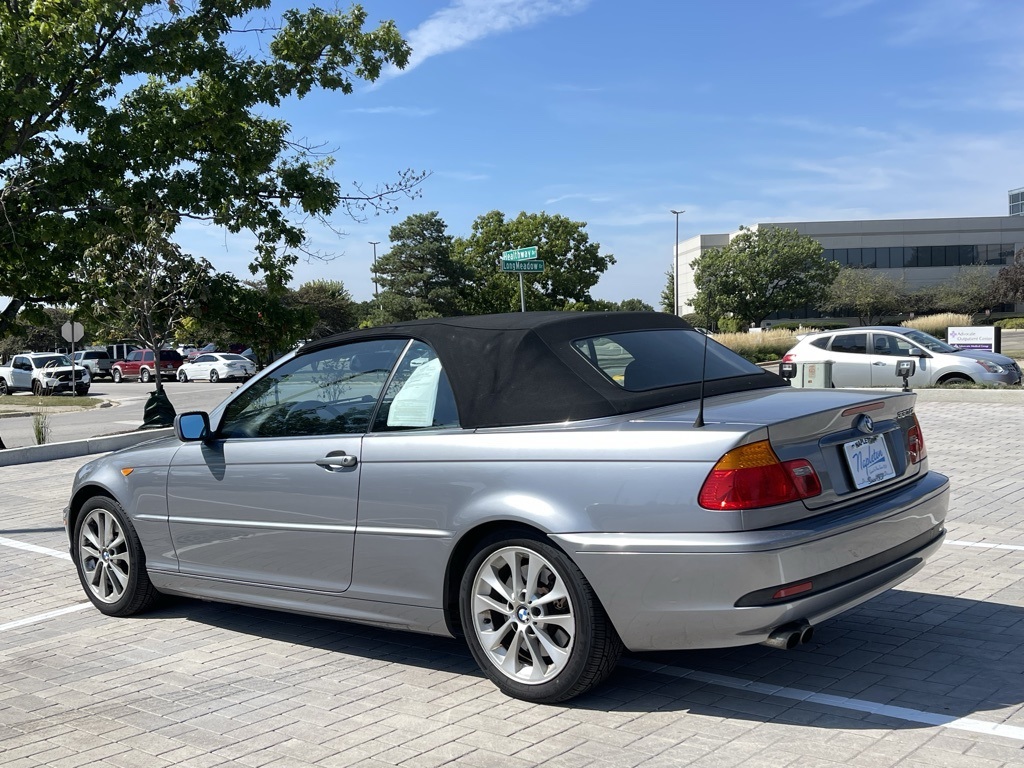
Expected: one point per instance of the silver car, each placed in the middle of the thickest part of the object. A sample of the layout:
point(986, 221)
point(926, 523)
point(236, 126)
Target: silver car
point(866, 356)
point(553, 487)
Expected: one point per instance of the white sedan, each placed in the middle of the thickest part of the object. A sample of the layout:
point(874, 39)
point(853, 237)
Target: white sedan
point(216, 366)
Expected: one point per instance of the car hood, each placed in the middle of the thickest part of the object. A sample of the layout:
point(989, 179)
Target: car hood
point(984, 354)
point(58, 369)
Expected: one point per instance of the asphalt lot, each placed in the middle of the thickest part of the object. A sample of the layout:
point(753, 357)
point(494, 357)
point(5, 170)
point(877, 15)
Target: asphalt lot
point(124, 414)
point(930, 674)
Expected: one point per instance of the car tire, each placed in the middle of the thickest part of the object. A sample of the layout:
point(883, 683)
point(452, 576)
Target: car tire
point(37, 389)
point(563, 646)
point(144, 375)
point(956, 378)
point(116, 376)
point(3, 388)
point(214, 376)
point(110, 561)
point(182, 376)
point(81, 391)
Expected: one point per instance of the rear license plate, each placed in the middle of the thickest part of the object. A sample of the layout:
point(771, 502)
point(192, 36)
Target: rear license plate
point(869, 462)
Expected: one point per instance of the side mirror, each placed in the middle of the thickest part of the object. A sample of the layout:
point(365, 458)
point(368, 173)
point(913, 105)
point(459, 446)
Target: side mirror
point(915, 352)
point(787, 370)
point(192, 426)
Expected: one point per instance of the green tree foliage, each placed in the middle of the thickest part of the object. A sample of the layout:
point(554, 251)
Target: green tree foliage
point(668, 293)
point(760, 272)
point(39, 331)
point(573, 264)
point(1009, 287)
point(154, 105)
point(144, 286)
point(418, 277)
point(866, 293)
point(972, 290)
point(268, 318)
point(331, 304)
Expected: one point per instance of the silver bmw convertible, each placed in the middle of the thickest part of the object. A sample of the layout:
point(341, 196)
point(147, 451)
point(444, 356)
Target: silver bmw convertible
point(552, 487)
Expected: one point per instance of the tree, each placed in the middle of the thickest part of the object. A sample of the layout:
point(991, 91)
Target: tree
point(635, 305)
point(668, 293)
point(145, 285)
point(971, 291)
point(866, 293)
point(760, 272)
point(331, 304)
point(269, 318)
point(1009, 287)
point(152, 105)
point(418, 276)
point(573, 264)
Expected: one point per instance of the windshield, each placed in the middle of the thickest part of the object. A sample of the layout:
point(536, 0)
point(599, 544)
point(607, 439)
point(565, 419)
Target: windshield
point(641, 360)
point(50, 361)
point(929, 342)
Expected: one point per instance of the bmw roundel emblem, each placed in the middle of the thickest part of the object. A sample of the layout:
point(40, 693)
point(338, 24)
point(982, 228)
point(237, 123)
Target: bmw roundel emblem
point(865, 424)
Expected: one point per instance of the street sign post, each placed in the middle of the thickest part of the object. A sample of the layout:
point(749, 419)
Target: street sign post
point(521, 260)
point(72, 332)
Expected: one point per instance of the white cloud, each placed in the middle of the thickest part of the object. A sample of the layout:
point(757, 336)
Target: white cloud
point(466, 21)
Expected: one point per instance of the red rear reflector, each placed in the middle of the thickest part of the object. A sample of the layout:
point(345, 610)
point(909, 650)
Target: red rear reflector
point(751, 476)
point(794, 590)
point(862, 409)
point(788, 357)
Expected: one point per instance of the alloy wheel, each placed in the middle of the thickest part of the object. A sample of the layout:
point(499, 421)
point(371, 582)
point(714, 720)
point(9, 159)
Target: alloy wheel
point(104, 556)
point(523, 615)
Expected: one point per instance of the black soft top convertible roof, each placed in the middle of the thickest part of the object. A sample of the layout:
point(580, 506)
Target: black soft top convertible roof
point(521, 368)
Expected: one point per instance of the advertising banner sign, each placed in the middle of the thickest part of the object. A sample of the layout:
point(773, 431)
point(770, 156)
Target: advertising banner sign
point(974, 337)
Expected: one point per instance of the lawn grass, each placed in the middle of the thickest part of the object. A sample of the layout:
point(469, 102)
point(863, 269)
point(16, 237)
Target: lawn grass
point(50, 401)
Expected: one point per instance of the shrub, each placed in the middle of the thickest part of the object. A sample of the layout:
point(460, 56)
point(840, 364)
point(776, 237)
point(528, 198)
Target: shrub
point(41, 428)
point(804, 327)
point(936, 325)
point(759, 347)
point(731, 325)
point(1010, 322)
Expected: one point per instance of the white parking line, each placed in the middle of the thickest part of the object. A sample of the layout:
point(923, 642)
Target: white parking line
point(44, 616)
point(986, 545)
point(5, 542)
point(842, 702)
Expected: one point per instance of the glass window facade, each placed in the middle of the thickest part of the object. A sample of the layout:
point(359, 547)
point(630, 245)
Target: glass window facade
point(923, 255)
point(1017, 202)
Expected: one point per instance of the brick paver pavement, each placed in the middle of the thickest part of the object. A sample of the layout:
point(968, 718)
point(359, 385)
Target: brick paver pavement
point(930, 674)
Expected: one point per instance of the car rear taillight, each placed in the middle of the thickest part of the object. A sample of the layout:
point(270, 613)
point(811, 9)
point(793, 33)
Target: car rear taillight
point(752, 476)
point(789, 357)
point(916, 451)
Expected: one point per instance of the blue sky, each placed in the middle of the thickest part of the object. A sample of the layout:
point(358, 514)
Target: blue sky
point(613, 113)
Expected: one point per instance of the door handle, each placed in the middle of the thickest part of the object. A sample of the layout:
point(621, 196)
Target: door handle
point(878, 363)
point(337, 460)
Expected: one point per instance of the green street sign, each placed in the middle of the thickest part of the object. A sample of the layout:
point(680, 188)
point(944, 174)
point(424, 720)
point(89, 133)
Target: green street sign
point(531, 265)
point(520, 254)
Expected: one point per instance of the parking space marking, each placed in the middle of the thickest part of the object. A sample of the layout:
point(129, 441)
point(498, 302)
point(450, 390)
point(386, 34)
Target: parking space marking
point(986, 545)
point(13, 544)
point(831, 700)
point(44, 616)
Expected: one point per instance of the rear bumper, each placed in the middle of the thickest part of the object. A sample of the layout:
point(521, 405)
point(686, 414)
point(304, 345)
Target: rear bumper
point(679, 591)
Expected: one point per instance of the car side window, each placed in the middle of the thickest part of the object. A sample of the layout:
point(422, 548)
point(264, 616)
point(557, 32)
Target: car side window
point(821, 343)
point(419, 395)
point(327, 392)
point(204, 359)
point(882, 344)
point(850, 343)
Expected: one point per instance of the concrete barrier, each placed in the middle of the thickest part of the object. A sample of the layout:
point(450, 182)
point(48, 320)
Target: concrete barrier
point(72, 448)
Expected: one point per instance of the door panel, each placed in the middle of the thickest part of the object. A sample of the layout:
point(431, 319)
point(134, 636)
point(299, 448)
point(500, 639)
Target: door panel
point(263, 511)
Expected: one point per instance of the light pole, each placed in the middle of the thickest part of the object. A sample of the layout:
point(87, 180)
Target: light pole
point(374, 243)
point(675, 268)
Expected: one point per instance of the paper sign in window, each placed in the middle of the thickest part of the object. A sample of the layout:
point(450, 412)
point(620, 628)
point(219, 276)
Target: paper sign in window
point(413, 406)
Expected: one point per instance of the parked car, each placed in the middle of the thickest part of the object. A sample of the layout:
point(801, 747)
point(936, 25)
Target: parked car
point(96, 360)
point(216, 366)
point(553, 487)
point(203, 350)
point(43, 373)
point(139, 365)
point(866, 357)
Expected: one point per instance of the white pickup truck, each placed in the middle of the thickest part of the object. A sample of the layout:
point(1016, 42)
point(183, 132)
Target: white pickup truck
point(44, 373)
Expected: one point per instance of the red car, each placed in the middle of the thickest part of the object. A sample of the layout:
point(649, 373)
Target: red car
point(139, 365)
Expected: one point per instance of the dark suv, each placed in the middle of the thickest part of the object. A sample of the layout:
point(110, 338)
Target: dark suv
point(139, 365)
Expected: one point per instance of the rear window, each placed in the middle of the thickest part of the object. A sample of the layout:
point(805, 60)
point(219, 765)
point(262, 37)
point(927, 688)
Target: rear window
point(170, 354)
point(642, 360)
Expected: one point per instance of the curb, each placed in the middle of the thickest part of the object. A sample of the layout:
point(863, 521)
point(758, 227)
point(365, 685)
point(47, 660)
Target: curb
point(72, 448)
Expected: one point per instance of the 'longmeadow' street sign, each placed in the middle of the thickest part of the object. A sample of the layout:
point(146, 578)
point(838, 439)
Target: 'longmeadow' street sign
point(530, 265)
